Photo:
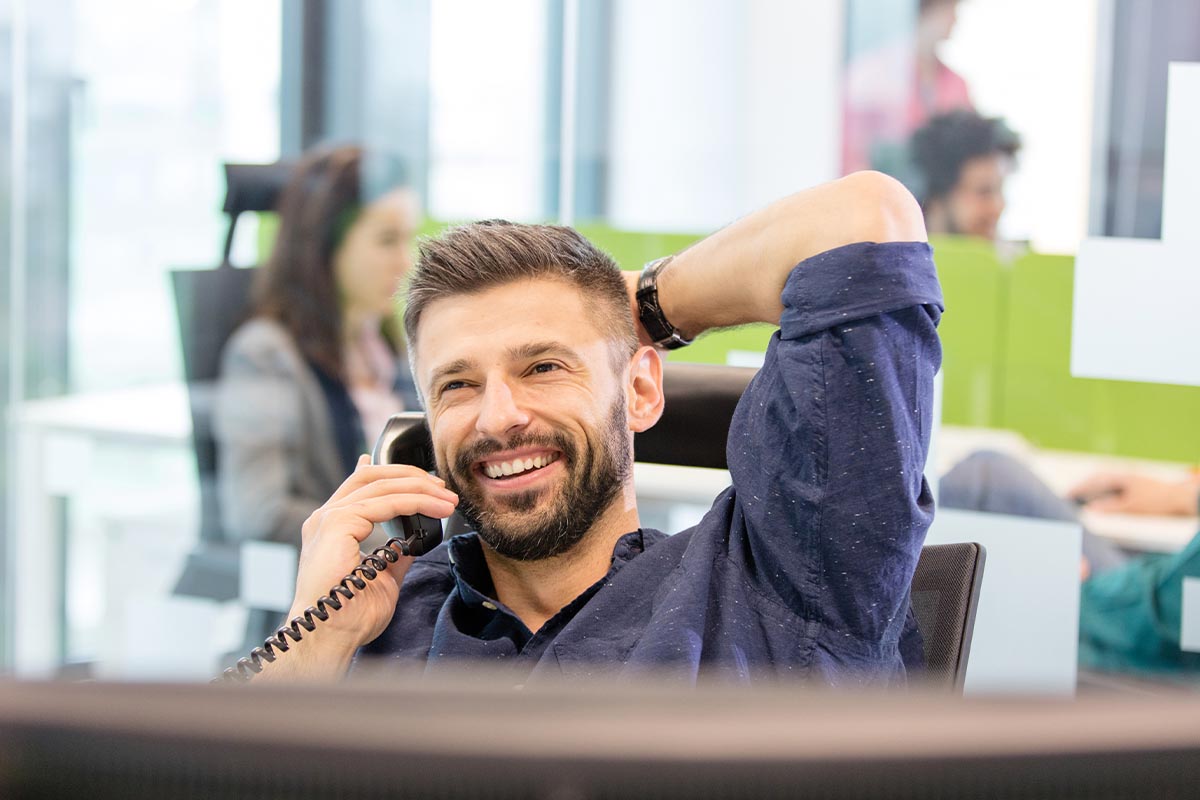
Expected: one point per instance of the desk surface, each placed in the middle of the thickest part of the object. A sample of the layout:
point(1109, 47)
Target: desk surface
point(1063, 470)
point(143, 414)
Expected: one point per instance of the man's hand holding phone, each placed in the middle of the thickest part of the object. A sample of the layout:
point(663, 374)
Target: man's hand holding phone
point(330, 550)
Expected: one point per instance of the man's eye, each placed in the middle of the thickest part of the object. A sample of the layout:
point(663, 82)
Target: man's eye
point(545, 366)
point(450, 386)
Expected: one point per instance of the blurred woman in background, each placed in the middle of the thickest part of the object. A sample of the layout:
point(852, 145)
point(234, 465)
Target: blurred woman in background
point(308, 382)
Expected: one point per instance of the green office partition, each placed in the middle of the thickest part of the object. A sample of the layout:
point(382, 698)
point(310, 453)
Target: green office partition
point(1053, 409)
point(268, 228)
point(632, 250)
point(1041, 399)
point(975, 288)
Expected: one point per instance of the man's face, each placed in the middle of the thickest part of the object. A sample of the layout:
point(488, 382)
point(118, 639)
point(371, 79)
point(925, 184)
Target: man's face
point(527, 413)
point(975, 204)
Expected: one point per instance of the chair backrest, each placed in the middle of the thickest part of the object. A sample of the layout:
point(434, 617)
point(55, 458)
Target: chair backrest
point(700, 400)
point(945, 597)
point(210, 304)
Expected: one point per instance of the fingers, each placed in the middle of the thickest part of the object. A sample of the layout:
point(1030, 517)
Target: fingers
point(1112, 503)
point(358, 518)
point(1098, 488)
point(364, 473)
point(406, 485)
point(375, 494)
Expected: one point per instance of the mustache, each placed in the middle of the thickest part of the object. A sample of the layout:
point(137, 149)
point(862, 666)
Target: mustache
point(483, 448)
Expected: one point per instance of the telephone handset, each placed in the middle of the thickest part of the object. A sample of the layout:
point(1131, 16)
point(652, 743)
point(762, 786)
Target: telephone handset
point(405, 440)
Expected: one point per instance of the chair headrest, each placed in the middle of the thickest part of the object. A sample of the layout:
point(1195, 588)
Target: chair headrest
point(254, 187)
point(700, 399)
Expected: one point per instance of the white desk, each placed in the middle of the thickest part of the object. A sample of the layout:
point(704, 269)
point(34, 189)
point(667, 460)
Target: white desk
point(1063, 470)
point(59, 444)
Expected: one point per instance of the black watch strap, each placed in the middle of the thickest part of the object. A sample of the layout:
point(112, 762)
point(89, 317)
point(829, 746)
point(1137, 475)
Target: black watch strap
point(650, 312)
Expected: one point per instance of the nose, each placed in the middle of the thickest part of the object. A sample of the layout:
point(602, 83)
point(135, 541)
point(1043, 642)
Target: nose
point(499, 413)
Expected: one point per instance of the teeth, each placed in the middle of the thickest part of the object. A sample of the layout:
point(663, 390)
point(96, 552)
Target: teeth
point(517, 467)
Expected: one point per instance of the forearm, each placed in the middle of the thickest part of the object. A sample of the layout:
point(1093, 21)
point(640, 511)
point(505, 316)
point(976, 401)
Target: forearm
point(313, 658)
point(736, 276)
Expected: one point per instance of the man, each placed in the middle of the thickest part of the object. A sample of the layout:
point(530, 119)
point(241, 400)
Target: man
point(535, 379)
point(961, 161)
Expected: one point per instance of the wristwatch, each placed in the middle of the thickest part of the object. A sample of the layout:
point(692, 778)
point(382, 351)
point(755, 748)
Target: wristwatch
point(650, 312)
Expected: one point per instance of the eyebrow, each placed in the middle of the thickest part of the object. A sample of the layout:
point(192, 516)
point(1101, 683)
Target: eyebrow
point(522, 352)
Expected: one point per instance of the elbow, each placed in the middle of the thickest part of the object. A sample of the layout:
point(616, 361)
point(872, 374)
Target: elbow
point(886, 209)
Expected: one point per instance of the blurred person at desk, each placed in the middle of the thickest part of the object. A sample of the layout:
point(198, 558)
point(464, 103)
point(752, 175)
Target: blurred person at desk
point(1131, 606)
point(320, 365)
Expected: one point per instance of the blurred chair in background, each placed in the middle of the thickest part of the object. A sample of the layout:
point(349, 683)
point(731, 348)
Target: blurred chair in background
point(210, 304)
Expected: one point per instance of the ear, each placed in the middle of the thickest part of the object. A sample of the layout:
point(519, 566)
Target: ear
point(644, 392)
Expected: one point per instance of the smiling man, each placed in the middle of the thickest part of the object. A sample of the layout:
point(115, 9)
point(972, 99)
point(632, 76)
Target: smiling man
point(539, 361)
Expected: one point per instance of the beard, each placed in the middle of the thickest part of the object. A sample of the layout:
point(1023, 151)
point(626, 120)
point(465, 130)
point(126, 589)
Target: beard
point(513, 525)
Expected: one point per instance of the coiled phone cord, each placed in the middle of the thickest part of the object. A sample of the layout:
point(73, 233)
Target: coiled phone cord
point(373, 564)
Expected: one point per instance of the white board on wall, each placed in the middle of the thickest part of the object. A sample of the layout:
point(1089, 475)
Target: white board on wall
point(1135, 315)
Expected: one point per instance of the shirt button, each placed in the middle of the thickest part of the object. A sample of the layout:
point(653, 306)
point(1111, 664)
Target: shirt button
point(489, 606)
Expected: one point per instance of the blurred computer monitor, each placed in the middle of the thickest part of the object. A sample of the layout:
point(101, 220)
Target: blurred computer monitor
point(485, 739)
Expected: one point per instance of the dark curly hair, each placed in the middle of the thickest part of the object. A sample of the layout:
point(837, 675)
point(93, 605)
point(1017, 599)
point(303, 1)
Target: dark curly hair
point(946, 142)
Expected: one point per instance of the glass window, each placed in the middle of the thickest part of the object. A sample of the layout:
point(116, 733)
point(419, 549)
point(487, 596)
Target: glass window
point(488, 109)
point(125, 112)
point(166, 93)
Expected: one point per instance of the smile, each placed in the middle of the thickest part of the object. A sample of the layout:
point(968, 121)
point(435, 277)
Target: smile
point(518, 466)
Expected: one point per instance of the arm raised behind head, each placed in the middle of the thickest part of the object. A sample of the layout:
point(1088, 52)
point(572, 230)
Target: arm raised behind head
point(736, 275)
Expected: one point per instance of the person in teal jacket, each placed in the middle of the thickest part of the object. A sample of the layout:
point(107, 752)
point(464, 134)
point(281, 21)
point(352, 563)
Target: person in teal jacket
point(1130, 606)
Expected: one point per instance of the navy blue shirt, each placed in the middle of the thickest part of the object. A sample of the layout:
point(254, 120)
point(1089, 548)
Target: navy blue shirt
point(802, 567)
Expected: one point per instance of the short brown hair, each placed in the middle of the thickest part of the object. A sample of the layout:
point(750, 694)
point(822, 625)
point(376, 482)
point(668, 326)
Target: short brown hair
point(472, 258)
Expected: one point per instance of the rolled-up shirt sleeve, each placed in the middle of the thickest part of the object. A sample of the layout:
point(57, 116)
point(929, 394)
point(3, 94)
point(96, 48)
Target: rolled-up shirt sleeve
point(828, 445)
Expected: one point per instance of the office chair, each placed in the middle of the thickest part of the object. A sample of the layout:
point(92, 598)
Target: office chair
point(700, 400)
point(210, 305)
point(945, 597)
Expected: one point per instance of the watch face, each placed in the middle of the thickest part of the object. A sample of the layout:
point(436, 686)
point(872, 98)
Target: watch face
point(652, 320)
point(650, 312)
